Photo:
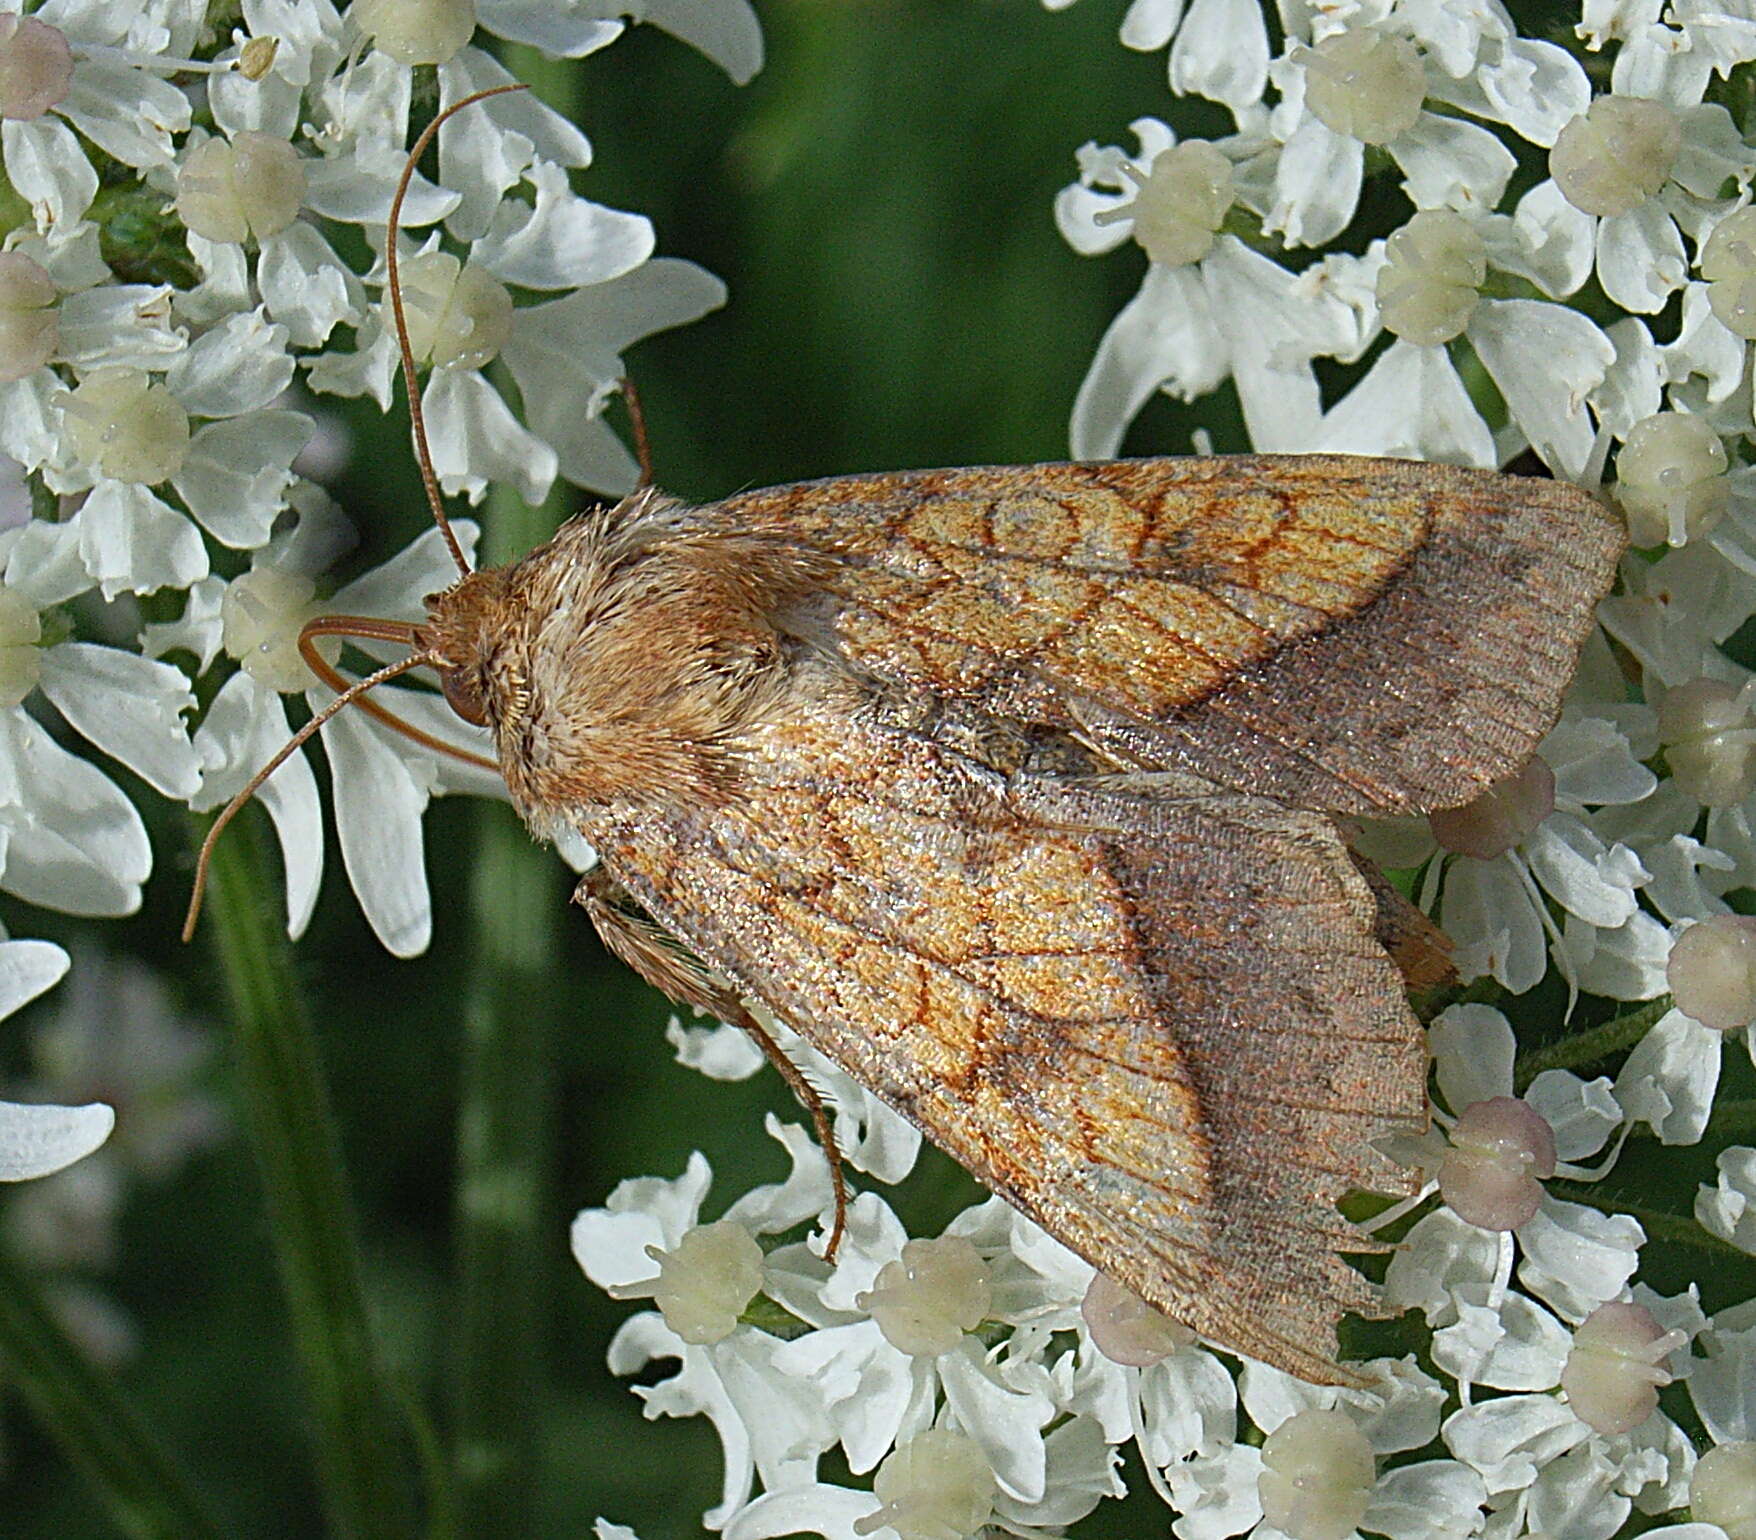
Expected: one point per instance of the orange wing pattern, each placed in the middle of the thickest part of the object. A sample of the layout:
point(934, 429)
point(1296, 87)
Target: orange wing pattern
point(1152, 1014)
point(1334, 632)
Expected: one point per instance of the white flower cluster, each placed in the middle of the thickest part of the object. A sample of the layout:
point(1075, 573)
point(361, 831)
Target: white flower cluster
point(152, 426)
point(986, 1380)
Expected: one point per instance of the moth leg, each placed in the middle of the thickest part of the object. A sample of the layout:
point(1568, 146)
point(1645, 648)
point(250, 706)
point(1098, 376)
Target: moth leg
point(657, 957)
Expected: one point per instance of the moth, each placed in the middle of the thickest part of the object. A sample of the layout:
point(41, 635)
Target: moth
point(1017, 792)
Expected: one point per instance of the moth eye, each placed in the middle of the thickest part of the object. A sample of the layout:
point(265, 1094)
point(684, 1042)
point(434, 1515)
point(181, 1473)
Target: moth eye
point(463, 691)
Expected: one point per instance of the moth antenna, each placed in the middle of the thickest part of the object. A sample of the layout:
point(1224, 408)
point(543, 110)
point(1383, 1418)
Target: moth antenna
point(230, 811)
point(637, 421)
point(366, 628)
point(393, 281)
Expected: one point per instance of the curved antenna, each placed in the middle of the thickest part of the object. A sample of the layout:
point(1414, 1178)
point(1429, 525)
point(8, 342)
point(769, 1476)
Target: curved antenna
point(364, 627)
point(352, 693)
point(393, 281)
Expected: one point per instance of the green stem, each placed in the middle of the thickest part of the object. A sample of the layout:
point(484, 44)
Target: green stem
point(505, 1221)
point(1585, 1048)
point(147, 1495)
point(361, 1442)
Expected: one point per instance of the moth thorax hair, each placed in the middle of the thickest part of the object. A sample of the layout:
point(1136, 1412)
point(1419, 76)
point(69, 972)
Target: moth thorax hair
point(626, 659)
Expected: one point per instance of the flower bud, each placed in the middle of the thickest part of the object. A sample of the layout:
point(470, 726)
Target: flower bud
point(937, 1486)
point(459, 315)
point(1431, 280)
point(1179, 204)
point(707, 1280)
point(1728, 263)
point(1615, 155)
point(21, 660)
point(1671, 479)
point(1366, 84)
point(925, 1302)
point(1127, 1330)
point(1709, 736)
point(1722, 1490)
point(30, 330)
point(1317, 1476)
point(1711, 972)
point(256, 57)
point(1506, 813)
point(36, 67)
point(1501, 1152)
point(416, 31)
point(249, 186)
point(1616, 1365)
point(123, 426)
point(260, 617)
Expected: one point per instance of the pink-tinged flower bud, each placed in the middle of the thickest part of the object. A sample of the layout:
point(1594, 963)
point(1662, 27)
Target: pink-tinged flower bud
point(1722, 1490)
point(1616, 154)
point(459, 315)
point(1368, 85)
point(1317, 1476)
point(1728, 263)
point(1616, 1366)
point(1709, 733)
point(36, 67)
point(1127, 1330)
point(1712, 972)
point(21, 659)
point(1501, 1153)
point(1671, 479)
point(1179, 204)
point(925, 1302)
point(707, 1279)
point(250, 185)
point(1430, 284)
point(1507, 812)
point(30, 329)
point(123, 426)
point(416, 31)
point(937, 1486)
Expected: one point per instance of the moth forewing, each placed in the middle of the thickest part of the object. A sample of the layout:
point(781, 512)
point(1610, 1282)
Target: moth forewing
point(998, 786)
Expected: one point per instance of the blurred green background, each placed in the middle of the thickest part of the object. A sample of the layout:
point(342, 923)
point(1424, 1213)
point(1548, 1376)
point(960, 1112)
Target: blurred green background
point(879, 202)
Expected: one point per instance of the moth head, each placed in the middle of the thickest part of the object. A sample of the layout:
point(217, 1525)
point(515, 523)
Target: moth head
point(465, 637)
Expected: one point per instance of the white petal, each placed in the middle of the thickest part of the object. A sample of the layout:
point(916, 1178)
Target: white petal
point(565, 356)
point(125, 112)
point(563, 241)
point(1705, 347)
point(27, 968)
point(48, 169)
point(1576, 1496)
point(1518, 1347)
point(1165, 337)
point(1728, 1209)
point(235, 476)
point(1669, 1079)
point(1535, 88)
point(1219, 1495)
point(1582, 1113)
point(44, 564)
point(396, 587)
point(1626, 963)
point(1440, 1259)
point(1546, 359)
point(1510, 1438)
point(1634, 386)
point(119, 323)
point(816, 1509)
point(244, 728)
point(1316, 185)
point(1713, 151)
point(306, 287)
point(130, 707)
point(1432, 1500)
point(1076, 208)
point(77, 844)
point(1640, 259)
point(35, 1140)
point(609, 1243)
point(1722, 1385)
point(1410, 404)
point(241, 365)
point(1221, 52)
point(1473, 1049)
point(30, 424)
point(476, 439)
point(132, 541)
point(1580, 872)
point(366, 369)
point(1006, 1423)
point(1489, 916)
point(1150, 24)
point(379, 798)
point(1547, 240)
point(1575, 1258)
point(484, 152)
point(562, 31)
point(725, 30)
point(1448, 163)
point(357, 188)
